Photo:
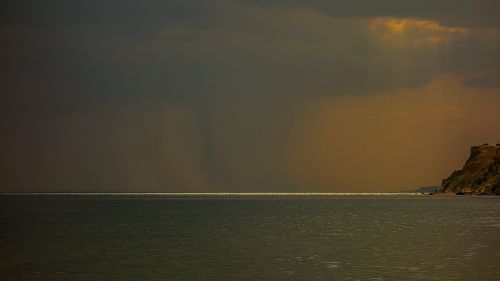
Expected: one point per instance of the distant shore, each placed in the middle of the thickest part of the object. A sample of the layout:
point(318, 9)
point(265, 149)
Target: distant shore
point(236, 194)
point(219, 193)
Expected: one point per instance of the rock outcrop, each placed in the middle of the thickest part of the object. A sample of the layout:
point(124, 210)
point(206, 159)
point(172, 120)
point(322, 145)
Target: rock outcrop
point(480, 174)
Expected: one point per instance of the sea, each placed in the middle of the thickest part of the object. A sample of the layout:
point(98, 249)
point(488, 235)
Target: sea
point(248, 237)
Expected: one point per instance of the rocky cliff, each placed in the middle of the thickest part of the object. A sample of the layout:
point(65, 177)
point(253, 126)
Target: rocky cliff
point(479, 175)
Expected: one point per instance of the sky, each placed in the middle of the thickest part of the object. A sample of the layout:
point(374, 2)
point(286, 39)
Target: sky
point(244, 96)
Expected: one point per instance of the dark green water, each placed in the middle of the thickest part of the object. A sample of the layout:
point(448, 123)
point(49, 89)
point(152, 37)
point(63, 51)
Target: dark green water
point(248, 238)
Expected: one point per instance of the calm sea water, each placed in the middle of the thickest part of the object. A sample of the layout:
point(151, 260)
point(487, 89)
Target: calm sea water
point(249, 238)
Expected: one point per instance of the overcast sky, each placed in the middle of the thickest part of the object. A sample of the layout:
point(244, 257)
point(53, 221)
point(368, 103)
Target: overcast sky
point(271, 95)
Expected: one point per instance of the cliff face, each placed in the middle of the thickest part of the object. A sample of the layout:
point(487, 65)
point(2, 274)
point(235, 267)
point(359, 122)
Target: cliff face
point(480, 173)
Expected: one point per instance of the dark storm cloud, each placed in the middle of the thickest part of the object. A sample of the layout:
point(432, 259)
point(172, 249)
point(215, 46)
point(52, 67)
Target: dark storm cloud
point(56, 12)
point(223, 95)
point(102, 52)
point(468, 13)
point(60, 12)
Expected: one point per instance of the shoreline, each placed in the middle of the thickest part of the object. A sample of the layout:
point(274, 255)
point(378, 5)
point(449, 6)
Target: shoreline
point(217, 194)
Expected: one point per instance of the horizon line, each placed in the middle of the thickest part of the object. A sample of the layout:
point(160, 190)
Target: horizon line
point(213, 193)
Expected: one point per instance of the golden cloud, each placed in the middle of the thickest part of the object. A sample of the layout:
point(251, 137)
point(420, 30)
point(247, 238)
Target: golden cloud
point(390, 141)
point(415, 31)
